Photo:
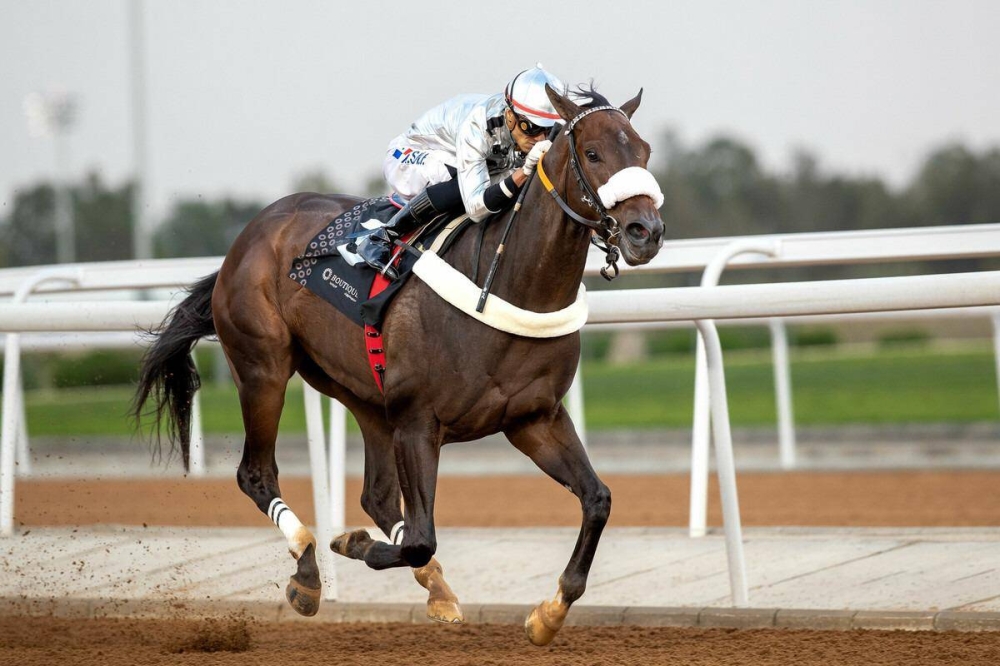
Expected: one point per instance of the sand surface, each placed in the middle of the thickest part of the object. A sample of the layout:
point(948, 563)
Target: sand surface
point(876, 499)
point(48, 641)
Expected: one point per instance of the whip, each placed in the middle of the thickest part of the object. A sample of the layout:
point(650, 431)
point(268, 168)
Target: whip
point(488, 284)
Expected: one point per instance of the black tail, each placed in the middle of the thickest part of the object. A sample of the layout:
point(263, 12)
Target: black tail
point(168, 372)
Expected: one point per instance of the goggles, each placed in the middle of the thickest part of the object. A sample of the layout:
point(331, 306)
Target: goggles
point(529, 128)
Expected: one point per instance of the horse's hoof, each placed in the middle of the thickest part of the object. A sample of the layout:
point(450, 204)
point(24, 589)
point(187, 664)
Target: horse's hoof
point(544, 622)
point(351, 544)
point(304, 600)
point(448, 612)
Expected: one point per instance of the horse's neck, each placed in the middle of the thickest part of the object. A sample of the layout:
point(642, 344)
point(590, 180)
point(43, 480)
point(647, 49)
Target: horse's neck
point(544, 257)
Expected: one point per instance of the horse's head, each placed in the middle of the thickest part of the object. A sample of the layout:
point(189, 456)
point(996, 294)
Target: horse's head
point(607, 160)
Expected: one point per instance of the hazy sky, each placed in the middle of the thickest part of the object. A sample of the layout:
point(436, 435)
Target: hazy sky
point(243, 96)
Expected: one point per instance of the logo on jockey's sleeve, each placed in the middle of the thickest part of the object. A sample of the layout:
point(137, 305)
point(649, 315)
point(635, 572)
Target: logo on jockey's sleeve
point(410, 156)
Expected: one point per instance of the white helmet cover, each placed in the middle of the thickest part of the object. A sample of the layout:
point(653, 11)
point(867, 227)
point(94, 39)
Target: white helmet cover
point(526, 95)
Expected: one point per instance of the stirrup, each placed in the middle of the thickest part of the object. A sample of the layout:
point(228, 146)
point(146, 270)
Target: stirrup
point(389, 270)
point(372, 251)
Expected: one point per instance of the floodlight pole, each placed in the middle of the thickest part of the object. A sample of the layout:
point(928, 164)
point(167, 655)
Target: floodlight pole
point(65, 226)
point(52, 115)
point(142, 244)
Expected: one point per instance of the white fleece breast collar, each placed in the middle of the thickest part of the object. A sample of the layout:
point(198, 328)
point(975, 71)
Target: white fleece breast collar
point(462, 293)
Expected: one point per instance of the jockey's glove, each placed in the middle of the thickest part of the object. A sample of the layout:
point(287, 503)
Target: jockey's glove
point(534, 155)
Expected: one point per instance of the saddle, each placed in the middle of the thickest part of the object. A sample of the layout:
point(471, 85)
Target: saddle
point(324, 270)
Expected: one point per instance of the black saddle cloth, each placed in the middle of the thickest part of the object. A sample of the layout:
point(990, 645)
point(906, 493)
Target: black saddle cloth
point(322, 270)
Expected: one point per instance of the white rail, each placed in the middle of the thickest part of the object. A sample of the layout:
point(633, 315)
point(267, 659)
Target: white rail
point(829, 247)
point(698, 506)
point(654, 306)
point(834, 247)
point(691, 303)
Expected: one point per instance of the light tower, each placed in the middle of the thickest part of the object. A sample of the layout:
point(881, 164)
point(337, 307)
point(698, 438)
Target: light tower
point(53, 115)
point(142, 239)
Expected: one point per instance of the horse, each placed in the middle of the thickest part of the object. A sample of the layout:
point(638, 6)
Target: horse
point(448, 377)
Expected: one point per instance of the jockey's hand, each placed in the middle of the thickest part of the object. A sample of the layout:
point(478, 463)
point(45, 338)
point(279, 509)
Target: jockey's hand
point(534, 155)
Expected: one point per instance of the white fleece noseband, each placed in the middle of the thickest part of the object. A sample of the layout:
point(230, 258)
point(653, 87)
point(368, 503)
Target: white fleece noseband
point(631, 182)
point(461, 292)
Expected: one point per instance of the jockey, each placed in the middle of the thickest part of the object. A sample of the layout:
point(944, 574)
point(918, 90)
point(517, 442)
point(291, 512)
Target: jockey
point(472, 152)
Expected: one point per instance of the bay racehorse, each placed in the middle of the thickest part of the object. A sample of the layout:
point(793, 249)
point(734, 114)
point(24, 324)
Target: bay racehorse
point(449, 378)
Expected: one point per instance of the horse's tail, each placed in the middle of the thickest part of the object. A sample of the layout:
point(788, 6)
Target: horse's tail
point(168, 372)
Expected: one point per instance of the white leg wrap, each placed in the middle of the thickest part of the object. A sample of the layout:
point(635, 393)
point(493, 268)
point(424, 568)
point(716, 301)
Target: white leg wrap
point(396, 534)
point(297, 535)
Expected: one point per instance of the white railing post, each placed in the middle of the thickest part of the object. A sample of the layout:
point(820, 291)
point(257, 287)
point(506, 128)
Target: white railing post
point(321, 490)
point(11, 410)
point(23, 448)
point(996, 345)
point(574, 404)
point(12, 361)
point(196, 451)
point(338, 466)
point(725, 465)
point(196, 444)
point(783, 392)
point(698, 510)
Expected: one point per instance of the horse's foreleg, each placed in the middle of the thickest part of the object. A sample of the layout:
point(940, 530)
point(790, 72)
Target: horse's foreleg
point(552, 443)
point(412, 540)
point(442, 604)
point(417, 453)
point(380, 499)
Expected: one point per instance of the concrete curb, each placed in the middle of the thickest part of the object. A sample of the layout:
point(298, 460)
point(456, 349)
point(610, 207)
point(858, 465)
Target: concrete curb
point(581, 616)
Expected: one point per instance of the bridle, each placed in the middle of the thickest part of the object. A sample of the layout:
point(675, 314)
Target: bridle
point(607, 226)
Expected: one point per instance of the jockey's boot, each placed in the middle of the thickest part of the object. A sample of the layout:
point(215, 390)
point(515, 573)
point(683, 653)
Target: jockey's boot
point(377, 247)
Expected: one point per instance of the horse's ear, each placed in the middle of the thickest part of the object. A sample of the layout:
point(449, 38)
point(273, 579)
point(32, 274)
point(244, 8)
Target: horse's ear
point(630, 106)
point(566, 108)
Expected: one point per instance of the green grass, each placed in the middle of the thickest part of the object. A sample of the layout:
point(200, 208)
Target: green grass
point(881, 386)
point(878, 387)
point(104, 410)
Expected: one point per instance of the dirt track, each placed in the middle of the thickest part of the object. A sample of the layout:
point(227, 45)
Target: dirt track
point(938, 498)
point(892, 499)
point(46, 641)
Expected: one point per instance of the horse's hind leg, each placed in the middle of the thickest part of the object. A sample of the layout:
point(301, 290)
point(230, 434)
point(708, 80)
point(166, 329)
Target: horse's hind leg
point(381, 500)
point(552, 443)
point(261, 368)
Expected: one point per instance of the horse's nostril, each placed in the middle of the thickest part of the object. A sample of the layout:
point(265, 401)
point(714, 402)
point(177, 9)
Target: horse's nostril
point(658, 234)
point(638, 232)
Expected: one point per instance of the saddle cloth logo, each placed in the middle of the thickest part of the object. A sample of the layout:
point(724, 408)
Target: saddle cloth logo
point(410, 156)
point(337, 282)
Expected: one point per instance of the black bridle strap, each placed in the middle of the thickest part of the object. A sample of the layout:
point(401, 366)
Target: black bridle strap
point(591, 197)
point(551, 189)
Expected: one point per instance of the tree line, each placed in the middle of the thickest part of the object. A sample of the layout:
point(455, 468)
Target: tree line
point(716, 188)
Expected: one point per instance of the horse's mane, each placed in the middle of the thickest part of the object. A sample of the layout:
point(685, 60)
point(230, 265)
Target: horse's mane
point(586, 96)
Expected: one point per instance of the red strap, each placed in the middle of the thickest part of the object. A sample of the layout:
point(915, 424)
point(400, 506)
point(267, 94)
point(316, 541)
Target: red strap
point(373, 336)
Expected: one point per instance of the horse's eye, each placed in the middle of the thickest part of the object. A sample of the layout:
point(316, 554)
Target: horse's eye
point(592, 155)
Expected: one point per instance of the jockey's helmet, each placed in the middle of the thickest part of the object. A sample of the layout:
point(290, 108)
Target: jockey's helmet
point(527, 99)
